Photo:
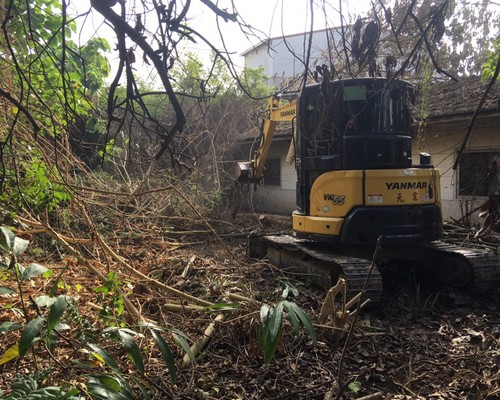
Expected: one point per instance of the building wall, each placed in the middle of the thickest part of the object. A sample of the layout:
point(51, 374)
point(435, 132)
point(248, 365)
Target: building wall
point(442, 141)
point(275, 199)
point(281, 57)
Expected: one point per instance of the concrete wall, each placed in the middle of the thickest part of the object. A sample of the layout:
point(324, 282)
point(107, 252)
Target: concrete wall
point(443, 140)
point(275, 199)
point(281, 57)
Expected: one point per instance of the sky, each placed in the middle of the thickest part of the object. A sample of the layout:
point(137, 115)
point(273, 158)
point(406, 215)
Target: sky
point(271, 17)
point(277, 17)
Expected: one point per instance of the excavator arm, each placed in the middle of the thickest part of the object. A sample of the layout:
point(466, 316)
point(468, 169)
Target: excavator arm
point(253, 171)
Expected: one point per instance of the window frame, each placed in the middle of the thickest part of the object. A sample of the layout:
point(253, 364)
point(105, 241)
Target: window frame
point(480, 171)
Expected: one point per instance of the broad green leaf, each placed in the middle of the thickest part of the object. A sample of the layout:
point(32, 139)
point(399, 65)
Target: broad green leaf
point(45, 301)
point(56, 311)
point(294, 319)
point(354, 386)
point(32, 270)
point(270, 330)
point(62, 327)
point(99, 391)
point(184, 344)
point(51, 341)
point(6, 239)
point(8, 326)
point(6, 290)
point(132, 349)
point(70, 394)
point(168, 357)
point(268, 343)
point(114, 385)
point(30, 332)
point(275, 320)
point(19, 269)
point(113, 329)
point(264, 313)
point(11, 353)
point(20, 245)
point(308, 326)
point(48, 274)
point(104, 356)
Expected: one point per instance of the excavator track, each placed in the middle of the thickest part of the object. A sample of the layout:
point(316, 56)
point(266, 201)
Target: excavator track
point(475, 270)
point(322, 266)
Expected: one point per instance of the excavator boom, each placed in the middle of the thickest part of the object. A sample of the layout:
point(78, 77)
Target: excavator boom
point(253, 171)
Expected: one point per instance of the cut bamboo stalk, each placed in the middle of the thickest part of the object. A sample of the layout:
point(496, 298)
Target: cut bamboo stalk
point(200, 344)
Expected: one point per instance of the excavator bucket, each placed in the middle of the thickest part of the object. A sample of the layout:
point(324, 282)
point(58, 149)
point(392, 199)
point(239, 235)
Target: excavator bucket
point(243, 171)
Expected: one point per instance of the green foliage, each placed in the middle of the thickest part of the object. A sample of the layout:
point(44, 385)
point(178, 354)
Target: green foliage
point(491, 62)
point(91, 63)
point(27, 387)
point(53, 311)
point(110, 297)
point(253, 81)
point(424, 105)
point(167, 355)
point(40, 327)
point(59, 71)
point(118, 384)
point(188, 79)
point(38, 190)
point(196, 79)
point(270, 331)
point(31, 185)
point(354, 386)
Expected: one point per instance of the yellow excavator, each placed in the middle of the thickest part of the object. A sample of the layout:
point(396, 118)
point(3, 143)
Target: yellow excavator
point(356, 183)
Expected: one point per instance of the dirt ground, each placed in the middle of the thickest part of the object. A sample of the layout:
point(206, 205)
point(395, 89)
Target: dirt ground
point(418, 342)
point(421, 341)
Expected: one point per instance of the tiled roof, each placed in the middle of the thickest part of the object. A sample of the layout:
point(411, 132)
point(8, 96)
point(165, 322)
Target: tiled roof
point(462, 97)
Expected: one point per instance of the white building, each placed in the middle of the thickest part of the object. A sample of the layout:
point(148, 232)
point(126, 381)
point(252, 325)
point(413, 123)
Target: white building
point(284, 58)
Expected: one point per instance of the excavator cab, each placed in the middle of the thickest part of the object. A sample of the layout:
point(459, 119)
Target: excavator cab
point(356, 180)
point(353, 156)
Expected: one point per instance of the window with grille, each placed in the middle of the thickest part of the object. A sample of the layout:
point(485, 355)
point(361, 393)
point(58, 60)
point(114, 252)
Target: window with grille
point(272, 174)
point(479, 173)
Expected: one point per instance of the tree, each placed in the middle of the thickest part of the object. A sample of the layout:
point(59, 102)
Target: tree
point(492, 63)
point(409, 37)
point(47, 85)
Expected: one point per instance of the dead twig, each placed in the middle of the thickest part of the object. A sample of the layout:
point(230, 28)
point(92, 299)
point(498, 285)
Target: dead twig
point(353, 324)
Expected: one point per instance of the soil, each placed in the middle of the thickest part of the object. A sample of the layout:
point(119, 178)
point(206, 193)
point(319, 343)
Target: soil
point(421, 341)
